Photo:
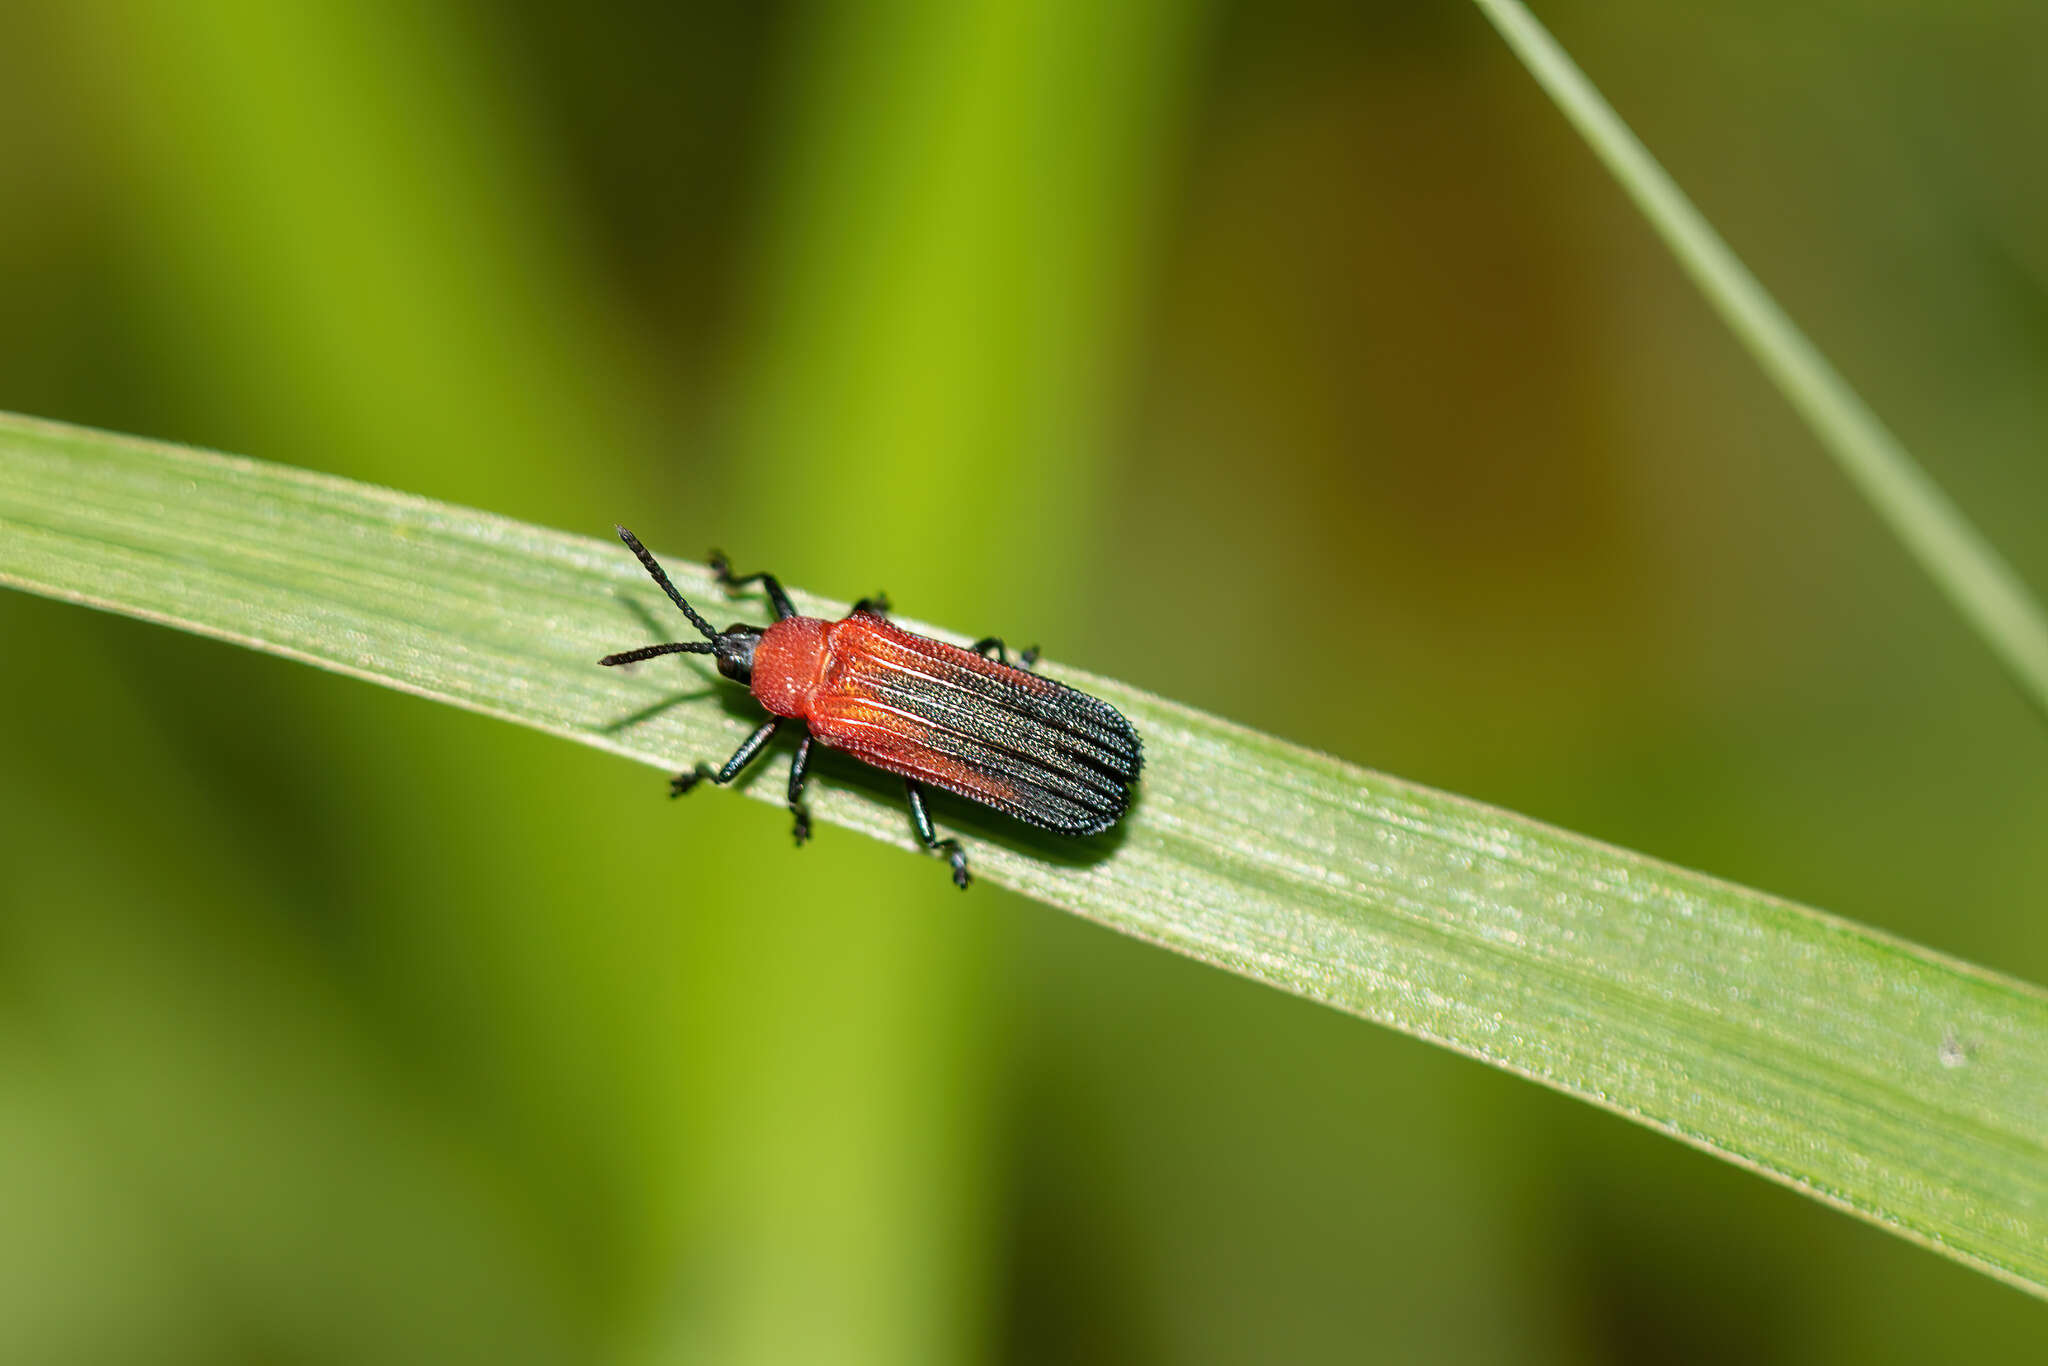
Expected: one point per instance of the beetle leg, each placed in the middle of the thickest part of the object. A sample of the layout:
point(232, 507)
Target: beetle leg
point(878, 605)
point(799, 769)
point(683, 782)
point(772, 586)
point(994, 644)
point(922, 819)
point(741, 757)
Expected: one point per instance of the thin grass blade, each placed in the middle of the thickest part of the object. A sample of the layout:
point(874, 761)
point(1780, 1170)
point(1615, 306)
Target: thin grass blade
point(1978, 581)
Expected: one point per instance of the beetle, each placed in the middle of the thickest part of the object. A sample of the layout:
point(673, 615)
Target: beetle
point(966, 721)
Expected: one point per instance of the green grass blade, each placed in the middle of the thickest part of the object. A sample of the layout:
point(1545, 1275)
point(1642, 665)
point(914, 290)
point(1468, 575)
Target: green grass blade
point(1871, 1074)
point(1977, 580)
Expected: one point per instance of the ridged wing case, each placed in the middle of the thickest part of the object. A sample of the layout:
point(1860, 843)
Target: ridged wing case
point(1040, 751)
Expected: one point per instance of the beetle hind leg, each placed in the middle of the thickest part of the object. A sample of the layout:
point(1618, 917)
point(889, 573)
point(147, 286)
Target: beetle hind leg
point(922, 819)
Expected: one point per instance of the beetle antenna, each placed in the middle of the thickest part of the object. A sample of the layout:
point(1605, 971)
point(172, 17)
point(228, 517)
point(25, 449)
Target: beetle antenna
point(674, 647)
point(654, 570)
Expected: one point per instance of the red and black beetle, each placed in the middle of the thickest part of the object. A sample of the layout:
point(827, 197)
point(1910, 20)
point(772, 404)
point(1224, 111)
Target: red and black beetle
point(932, 713)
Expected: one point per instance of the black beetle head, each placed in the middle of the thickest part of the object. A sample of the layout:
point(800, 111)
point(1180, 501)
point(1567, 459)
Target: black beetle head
point(734, 647)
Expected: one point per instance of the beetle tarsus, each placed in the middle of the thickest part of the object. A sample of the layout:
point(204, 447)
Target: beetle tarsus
point(683, 782)
point(876, 606)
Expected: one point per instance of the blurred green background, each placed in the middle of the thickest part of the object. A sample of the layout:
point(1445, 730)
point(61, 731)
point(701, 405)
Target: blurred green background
point(1292, 360)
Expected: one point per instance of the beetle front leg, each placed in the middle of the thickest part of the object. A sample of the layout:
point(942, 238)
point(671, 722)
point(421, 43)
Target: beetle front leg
point(741, 757)
point(772, 586)
point(683, 782)
point(922, 819)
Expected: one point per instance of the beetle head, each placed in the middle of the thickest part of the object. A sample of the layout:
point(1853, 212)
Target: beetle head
point(734, 647)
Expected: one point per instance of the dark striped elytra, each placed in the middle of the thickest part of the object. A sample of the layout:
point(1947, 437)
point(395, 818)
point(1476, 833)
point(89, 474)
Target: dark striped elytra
point(966, 721)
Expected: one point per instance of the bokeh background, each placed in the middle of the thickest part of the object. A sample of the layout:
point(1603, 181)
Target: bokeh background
point(1291, 359)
